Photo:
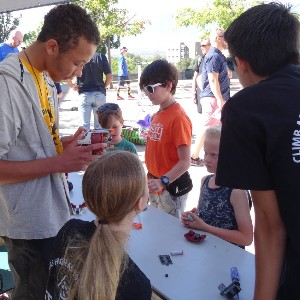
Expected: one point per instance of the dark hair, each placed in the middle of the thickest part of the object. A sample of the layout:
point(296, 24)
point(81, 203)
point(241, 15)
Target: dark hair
point(66, 24)
point(266, 36)
point(159, 71)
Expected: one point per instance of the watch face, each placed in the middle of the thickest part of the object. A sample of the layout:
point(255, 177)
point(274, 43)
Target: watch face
point(165, 180)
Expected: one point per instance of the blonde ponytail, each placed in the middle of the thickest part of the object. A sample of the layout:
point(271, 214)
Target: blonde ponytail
point(112, 185)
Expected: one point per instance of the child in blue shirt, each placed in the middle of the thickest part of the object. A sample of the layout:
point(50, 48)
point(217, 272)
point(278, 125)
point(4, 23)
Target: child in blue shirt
point(110, 117)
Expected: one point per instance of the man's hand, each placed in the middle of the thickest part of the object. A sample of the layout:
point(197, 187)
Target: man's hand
point(195, 98)
point(74, 87)
point(76, 157)
point(67, 140)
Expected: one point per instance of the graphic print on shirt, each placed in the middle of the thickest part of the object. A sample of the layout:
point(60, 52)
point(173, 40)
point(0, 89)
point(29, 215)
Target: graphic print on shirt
point(296, 143)
point(155, 132)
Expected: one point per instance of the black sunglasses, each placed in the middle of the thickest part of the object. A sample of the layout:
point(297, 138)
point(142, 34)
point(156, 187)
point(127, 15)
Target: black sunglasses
point(230, 63)
point(150, 88)
point(110, 106)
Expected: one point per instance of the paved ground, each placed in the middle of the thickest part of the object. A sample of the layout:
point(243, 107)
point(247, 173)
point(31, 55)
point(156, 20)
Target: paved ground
point(137, 109)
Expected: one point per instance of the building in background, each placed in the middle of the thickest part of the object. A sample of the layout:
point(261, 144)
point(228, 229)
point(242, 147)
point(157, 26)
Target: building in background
point(176, 53)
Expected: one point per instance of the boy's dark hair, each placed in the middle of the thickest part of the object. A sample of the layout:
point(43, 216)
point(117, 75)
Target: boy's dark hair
point(66, 24)
point(266, 36)
point(159, 71)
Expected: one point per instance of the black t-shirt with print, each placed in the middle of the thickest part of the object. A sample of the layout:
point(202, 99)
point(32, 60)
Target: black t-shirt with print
point(133, 284)
point(260, 150)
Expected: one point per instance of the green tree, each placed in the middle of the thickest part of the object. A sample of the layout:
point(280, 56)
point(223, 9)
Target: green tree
point(185, 63)
point(218, 13)
point(7, 24)
point(113, 22)
point(31, 36)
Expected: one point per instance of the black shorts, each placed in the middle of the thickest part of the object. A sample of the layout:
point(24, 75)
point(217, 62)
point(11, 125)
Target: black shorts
point(122, 80)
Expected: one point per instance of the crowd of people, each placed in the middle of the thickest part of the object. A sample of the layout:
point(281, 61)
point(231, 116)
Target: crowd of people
point(250, 143)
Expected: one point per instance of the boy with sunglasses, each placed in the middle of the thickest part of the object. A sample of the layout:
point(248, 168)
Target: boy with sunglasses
point(168, 146)
point(110, 117)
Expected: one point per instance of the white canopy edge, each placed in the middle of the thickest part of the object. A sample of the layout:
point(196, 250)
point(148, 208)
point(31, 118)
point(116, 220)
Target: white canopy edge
point(13, 5)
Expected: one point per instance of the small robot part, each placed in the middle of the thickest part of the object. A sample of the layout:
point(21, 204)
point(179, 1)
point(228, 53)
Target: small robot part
point(173, 253)
point(78, 210)
point(96, 136)
point(194, 237)
point(165, 259)
point(234, 273)
point(231, 291)
point(190, 218)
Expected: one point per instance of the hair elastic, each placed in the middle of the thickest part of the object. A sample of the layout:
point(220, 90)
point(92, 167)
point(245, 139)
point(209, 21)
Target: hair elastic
point(102, 222)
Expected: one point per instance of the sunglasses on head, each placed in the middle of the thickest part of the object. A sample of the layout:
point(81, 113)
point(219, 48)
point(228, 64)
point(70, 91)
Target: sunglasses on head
point(230, 63)
point(150, 88)
point(110, 106)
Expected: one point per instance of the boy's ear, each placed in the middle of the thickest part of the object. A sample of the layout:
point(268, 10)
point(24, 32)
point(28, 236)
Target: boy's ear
point(242, 64)
point(169, 85)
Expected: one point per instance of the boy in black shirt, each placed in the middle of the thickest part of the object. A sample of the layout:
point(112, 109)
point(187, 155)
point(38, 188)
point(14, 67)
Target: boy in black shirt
point(261, 135)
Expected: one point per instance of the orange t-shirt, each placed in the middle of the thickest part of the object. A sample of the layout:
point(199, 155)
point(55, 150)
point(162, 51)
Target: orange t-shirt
point(168, 130)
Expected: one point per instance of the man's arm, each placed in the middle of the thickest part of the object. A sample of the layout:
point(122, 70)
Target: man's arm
point(74, 158)
point(215, 88)
point(194, 86)
point(72, 85)
point(270, 243)
point(108, 79)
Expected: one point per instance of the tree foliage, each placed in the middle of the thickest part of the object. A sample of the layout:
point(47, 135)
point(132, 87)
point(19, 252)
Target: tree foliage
point(7, 24)
point(31, 36)
point(219, 13)
point(186, 63)
point(113, 22)
point(133, 61)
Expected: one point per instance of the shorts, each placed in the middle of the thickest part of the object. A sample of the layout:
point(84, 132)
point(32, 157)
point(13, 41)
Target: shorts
point(173, 205)
point(209, 112)
point(122, 80)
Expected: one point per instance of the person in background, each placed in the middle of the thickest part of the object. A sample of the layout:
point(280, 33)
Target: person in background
point(92, 262)
point(123, 74)
point(168, 146)
point(259, 147)
point(110, 117)
point(196, 83)
point(34, 198)
point(14, 40)
point(58, 90)
point(221, 211)
point(91, 88)
point(215, 90)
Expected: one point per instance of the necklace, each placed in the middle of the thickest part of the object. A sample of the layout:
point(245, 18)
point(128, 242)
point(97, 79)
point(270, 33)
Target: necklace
point(37, 80)
point(160, 110)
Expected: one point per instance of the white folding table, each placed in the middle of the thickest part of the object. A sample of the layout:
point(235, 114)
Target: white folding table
point(194, 275)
